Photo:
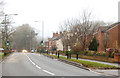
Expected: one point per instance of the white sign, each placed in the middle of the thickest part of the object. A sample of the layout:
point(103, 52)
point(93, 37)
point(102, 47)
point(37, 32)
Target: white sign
point(69, 48)
point(1, 49)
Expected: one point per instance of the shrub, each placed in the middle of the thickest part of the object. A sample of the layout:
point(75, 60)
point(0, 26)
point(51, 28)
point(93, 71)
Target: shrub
point(77, 48)
point(112, 54)
point(90, 53)
point(93, 44)
point(86, 52)
point(98, 54)
point(81, 52)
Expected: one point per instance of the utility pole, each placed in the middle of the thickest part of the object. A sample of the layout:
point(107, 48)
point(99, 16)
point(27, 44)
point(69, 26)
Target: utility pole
point(5, 36)
point(41, 43)
point(42, 30)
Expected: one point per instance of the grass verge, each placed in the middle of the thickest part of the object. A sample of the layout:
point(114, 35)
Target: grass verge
point(88, 64)
point(2, 56)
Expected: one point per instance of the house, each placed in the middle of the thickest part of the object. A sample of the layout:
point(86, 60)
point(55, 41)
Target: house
point(108, 37)
point(55, 43)
point(46, 44)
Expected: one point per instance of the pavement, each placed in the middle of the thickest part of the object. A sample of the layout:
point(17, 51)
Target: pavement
point(113, 72)
point(109, 72)
point(32, 64)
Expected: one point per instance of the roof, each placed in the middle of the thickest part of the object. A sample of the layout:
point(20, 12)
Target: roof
point(106, 28)
point(56, 37)
point(103, 28)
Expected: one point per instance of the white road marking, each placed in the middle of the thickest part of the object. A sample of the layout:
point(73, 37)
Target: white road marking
point(39, 66)
point(32, 62)
point(48, 72)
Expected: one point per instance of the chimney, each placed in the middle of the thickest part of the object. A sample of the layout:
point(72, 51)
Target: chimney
point(56, 33)
point(60, 33)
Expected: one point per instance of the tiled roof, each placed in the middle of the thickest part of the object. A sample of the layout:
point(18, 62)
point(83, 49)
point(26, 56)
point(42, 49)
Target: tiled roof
point(105, 28)
point(56, 37)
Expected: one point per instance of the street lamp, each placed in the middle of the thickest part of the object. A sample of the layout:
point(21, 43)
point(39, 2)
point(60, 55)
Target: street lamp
point(42, 29)
point(41, 43)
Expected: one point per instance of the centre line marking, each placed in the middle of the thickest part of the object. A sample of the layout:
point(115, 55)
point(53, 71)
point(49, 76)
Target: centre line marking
point(39, 66)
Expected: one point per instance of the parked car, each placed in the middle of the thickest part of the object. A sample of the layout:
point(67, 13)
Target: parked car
point(109, 50)
point(12, 50)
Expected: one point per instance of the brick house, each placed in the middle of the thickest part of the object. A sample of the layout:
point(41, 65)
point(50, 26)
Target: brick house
point(108, 37)
point(46, 44)
point(55, 42)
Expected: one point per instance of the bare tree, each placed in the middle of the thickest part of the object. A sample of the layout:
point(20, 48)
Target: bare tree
point(79, 31)
point(67, 37)
point(1, 14)
point(7, 32)
point(106, 40)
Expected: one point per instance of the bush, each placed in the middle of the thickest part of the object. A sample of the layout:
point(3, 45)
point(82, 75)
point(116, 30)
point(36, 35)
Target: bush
point(98, 54)
point(86, 52)
point(81, 52)
point(112, 54)
point(90, 53)
point(93, 44)
point(77, 48)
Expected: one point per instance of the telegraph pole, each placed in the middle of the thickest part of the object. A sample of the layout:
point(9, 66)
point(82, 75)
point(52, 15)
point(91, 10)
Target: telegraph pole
point(5, 31)
point(42, 30)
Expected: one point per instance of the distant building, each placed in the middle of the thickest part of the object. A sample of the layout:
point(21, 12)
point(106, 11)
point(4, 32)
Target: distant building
point(46, 45)
point(55, 42)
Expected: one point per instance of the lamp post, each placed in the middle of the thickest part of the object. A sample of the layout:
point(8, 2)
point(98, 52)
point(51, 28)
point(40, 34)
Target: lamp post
point(41, 43)
point(42, 29)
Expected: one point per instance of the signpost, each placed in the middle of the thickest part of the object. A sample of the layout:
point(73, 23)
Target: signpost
point(77, 55)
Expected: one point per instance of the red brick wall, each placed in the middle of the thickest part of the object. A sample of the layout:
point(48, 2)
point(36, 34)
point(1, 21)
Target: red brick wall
point(113, 35)
point(99, 37)
point(119, 36)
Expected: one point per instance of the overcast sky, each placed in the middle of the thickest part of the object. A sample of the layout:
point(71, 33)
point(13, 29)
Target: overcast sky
point(54, 12)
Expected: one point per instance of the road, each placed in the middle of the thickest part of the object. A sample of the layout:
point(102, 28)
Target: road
point(31, 64)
